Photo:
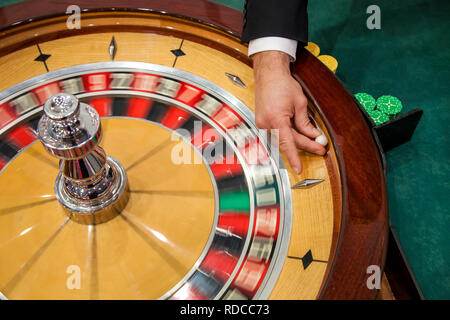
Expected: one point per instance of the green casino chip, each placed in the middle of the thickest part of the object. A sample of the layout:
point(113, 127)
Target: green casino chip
point(366, 100)
point(378, 117)
point(389, 105)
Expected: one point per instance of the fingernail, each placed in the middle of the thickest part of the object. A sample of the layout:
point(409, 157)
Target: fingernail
point(296, 170)
point(316, 132)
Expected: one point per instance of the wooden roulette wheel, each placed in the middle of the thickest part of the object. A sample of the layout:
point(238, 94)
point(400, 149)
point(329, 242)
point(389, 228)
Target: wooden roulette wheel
point(201, 218)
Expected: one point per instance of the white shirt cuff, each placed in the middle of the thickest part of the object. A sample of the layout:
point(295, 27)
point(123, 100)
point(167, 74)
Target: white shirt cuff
point(273, 43)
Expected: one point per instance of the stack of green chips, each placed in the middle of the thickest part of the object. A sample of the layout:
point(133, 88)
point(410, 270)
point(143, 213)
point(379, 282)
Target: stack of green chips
point(383, 109)
point(378, 117)
point(366, 101)
point(389, 105)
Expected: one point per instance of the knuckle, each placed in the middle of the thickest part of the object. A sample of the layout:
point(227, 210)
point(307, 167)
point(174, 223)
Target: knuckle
point(261, 123)
point(303, 101)
point(303, 121)
point(284, 144)
point(277, 122)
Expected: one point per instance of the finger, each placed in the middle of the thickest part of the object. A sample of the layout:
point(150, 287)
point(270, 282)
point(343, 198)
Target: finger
point(304, 125)
point(307, 144)
point(301, 119)
point(288, 147)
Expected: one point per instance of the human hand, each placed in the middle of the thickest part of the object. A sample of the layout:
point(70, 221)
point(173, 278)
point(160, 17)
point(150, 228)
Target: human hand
point(280, 104)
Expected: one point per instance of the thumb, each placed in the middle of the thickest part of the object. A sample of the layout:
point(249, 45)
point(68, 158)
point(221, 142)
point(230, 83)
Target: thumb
point(304, 125)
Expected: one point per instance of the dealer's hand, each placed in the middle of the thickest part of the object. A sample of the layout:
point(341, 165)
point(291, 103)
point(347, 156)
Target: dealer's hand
point(280, 104)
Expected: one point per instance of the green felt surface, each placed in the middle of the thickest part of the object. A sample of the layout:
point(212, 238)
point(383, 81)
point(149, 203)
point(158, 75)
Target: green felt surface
point(408, 58)
point(7, 2)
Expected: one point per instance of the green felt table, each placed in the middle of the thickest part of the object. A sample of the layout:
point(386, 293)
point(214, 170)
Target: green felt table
point(409, 58)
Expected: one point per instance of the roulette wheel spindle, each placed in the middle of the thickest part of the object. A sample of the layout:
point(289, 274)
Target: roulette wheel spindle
point(91, 186)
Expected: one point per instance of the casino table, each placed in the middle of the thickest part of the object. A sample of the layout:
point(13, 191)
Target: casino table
point(174, 193)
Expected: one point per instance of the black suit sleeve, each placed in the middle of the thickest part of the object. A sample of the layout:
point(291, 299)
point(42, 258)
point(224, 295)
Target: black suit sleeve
point(276, 18)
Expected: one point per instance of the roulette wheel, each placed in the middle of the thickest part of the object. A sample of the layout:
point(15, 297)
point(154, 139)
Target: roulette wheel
point(165, 188)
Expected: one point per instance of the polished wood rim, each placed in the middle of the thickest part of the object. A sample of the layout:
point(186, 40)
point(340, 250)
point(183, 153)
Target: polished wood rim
point(10, 44)
point(364, 226)
point(219, 16)
point(363, 230)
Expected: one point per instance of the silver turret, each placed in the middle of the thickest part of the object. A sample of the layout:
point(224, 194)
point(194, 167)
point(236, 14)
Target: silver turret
point(91, 185)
